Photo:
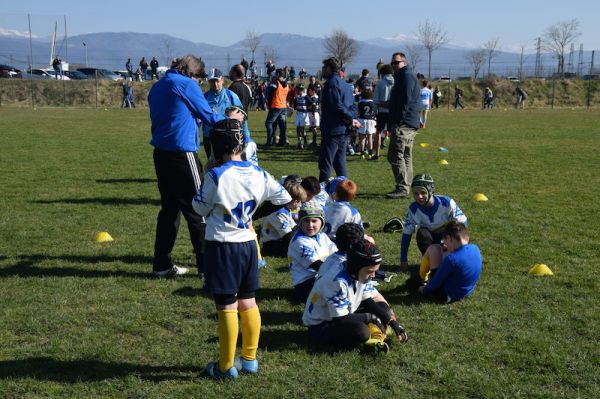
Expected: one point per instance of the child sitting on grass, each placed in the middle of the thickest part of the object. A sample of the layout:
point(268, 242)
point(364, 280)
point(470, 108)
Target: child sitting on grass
point(427, 215)
point(340, 211)
point(345, 310)
point(278, 228)
point(308, 249)
point(454, 273)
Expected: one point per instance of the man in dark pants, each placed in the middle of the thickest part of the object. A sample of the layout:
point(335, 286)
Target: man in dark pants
point(277, 101)
point(404, 107)
point(175, 103)
point(337, 115)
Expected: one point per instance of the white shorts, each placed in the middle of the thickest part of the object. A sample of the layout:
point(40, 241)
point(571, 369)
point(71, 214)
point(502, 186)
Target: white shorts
point(425, 107)
point(301, 119)
point(314, 119)
point(367, 126)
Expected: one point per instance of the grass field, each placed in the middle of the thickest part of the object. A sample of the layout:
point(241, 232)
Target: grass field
point(81, 319)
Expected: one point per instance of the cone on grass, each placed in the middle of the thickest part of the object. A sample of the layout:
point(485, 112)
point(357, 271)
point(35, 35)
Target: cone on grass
point(481, 197)
point(443, 162)
point(541, 269)
point(103, 236)
point(424, 145)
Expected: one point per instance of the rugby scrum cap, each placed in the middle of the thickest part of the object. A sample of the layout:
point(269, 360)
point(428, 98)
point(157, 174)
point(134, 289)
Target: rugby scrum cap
point(426, 181)
point(311, 209)
point(347, 234)
point(227, 137)
point(362, 254)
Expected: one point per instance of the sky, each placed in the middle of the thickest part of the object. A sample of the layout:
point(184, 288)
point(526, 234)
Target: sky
point(468, 23)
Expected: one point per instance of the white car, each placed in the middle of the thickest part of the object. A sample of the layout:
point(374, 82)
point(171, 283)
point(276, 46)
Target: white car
point(512, 78)
point(38, 73)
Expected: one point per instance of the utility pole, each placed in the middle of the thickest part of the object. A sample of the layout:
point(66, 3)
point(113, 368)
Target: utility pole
point(580, 61)
point(571, 56)
point(538, 58)
point(589, 92)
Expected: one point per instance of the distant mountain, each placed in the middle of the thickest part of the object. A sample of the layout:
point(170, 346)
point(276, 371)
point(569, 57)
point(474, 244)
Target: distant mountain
point(111, 50)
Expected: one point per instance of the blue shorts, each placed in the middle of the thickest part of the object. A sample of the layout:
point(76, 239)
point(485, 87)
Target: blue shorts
point(230, 267)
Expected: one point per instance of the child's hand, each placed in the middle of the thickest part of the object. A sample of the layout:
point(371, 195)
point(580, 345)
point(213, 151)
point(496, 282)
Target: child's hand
point(399, 331)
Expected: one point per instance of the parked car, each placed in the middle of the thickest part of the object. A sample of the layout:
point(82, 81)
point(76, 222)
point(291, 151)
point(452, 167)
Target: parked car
point(513, 78)
point(444, 78)
point(76, 75)
point(104, 74)
point(37, 73)
point(7, 71)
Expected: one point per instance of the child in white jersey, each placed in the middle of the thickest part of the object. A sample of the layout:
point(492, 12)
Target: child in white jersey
point(426, 98)
point(308, 249)
point(367, 119)
point(344, 309)
point(230, 194)
point(340, 211)
point(301, 104)
point(278, 228)
point(314, 119)
point(428, 216)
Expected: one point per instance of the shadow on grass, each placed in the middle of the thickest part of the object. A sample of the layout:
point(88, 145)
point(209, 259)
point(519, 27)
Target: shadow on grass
point(27, 266)
point(110, 181)
point(270, 318)
point(101, 201)
point(191, 292)
point(279, 340)
point(73, 371)
point(276, 293)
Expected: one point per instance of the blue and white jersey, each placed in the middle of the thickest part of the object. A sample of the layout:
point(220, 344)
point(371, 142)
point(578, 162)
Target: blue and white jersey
point(276, 225)
point(426, 95)
point(322, 198)
point(229, 196)
point(366, 109)
point(301, 103)
point(335, 294)
point(336, 214)
point(304, 251)
point(250, 151)
point(314, 100)
point(435, 217)
point(334, 261)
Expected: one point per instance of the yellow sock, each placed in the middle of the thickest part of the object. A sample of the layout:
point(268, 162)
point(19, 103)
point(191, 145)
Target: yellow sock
point(250, 319)
point(424, 268)
point(376, 332)
point(258, 249)
point(228, 333)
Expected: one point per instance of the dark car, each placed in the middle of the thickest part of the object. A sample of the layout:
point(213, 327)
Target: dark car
point(76, 75)
point(7, 71)
point(105, 74)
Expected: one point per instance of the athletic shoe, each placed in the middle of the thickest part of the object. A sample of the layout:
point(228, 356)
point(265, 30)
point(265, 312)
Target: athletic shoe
point(172, 272)
point(262, 263)
point(246, 366)
point(397, 194)
point(374, 158)
point(212, 370)
point(376, 347)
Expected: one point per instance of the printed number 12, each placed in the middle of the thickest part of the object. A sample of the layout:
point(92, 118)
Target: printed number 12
point(242, 213)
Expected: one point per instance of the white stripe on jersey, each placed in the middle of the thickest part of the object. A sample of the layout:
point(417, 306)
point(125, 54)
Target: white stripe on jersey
point(336, 214)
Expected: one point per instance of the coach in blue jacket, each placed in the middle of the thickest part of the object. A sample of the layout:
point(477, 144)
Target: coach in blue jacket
point(337, 115)
point(176, 105)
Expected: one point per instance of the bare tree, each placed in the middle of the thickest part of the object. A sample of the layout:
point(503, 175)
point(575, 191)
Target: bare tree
point(432, 36)
point(559, 36)
point(251, 42)
point(167, 51)
point(270, 54)
point(414, 52)
point(475, 58)
point(491, 47)
point(341, 46)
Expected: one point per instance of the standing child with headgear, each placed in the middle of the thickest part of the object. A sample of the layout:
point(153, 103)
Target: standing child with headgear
point(301, 103)
point(427, 215)
point(230, 195)
point(344, 309)
point(308, 249)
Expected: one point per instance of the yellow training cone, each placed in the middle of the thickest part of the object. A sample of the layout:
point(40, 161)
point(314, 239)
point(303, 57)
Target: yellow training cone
point(443, 162)
point(480, 197)
point(541, 269)
point(103, 236)
point(424, 145)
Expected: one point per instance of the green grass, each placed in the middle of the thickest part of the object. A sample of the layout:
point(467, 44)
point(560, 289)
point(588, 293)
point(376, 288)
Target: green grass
point(81, 319)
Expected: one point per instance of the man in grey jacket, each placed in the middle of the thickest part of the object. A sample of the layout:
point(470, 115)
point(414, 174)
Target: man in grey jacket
point(404, 106)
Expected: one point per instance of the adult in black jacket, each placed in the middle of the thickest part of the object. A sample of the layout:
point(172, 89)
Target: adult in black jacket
point(404, 106)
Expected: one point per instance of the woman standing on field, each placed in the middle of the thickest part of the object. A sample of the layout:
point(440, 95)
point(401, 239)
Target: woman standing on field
point(176, 104)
